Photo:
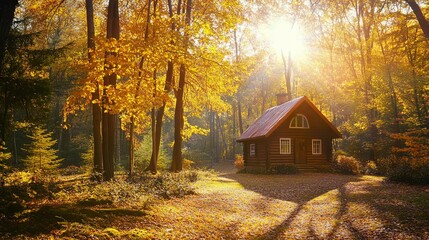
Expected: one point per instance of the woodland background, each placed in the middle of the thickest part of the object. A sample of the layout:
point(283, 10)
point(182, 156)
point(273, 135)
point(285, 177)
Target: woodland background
point(205, 70)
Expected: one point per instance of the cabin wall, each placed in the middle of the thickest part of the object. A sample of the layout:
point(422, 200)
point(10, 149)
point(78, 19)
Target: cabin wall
point(260, 158)
point(317, 130)
point(268, 149)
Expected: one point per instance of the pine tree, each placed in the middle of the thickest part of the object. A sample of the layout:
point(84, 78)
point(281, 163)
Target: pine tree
point(42, 157)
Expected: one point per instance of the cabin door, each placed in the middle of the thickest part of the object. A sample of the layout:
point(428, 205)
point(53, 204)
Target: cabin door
point(300, 156)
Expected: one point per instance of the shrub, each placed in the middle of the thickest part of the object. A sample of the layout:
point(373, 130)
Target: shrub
point(168, 185)
point(143, 154)
point(371, 168)
point(346, 165)
point(239, 162)
point(285, 169)
point(118, 192)
point(187, 164)
point(410, 162)
point(42, 157)
point(409, 170)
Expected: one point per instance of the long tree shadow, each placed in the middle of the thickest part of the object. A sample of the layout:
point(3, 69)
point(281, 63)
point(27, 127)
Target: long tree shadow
point(50, 217)
point(299, 188)
point(361, 207)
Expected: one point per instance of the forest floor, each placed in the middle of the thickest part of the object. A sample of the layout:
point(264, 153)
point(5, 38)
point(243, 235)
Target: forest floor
point(246, 206)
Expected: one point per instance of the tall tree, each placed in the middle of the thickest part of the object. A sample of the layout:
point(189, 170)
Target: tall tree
point(96, 109)
point(108, 117)
point(177, 161)
point(167, 89)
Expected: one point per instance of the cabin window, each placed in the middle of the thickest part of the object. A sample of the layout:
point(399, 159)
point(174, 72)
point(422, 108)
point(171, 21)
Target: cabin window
point(252, 149)
point(317, 146)
point(285, 146)
point(299, 121)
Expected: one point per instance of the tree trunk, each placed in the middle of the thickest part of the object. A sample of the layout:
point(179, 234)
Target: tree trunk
point(131, 148)
point(146, 36)
point(154, 157)
point(96, 110)
point(160, 113)
point(159, 120)
point(240, 116)
point(234, 129)
point(176, 165)
point(108, 122)
point(7, 13)
point(424, 24)
point(177, 161)
point(287, 67)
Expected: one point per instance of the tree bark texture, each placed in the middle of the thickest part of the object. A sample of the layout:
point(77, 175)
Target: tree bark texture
point(160, 112)
point(96, 109)
point(424, 24)
point(177, 162)
point(108, 122)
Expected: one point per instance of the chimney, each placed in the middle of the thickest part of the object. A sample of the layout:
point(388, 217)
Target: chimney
point(281, 98)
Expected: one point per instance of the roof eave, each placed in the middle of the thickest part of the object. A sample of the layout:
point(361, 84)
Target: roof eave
point(250, 139)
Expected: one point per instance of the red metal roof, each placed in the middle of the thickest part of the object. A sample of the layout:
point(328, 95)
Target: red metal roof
point(273, 117)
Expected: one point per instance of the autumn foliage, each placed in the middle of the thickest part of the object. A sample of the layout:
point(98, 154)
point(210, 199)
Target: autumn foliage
point(410, 163)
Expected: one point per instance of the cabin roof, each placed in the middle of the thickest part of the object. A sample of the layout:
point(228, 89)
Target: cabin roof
point(275, 116)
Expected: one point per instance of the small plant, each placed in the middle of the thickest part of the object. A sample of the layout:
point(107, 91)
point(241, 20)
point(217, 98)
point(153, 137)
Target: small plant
point(168, 185)
point(239, 162)
point(187, 164)
point(4, 168)
point(347, 165)
point(42, 158)
point(285, 169)
point(371, 168)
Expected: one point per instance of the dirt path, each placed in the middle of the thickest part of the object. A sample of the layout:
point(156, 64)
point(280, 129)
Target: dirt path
point(304, 206)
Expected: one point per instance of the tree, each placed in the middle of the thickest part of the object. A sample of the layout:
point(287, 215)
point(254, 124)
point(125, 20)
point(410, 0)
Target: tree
point(177, 161)
point(42, 157)
point(424, 24)
point(160, 111)
point(96, 110)
point(108, 117)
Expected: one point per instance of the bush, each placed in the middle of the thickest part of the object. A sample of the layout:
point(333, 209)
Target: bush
point(346, 165)
point(285, 169)
point(371, 168)
point(403, 169)
point(239, 162)
point(410, 162)
point(168, 185)
point(187, 164)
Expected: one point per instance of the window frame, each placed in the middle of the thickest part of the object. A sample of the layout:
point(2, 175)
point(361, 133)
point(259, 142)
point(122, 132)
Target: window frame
point(252, 152)
point(288, 145)
point(313, 148)
point(303, 122)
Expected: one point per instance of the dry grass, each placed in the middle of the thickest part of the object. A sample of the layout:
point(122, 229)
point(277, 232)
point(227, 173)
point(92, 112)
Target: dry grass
point(245, 206)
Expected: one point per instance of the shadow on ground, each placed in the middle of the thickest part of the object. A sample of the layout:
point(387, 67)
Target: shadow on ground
point(49, 217)
point(298, 188)
point(332, 206)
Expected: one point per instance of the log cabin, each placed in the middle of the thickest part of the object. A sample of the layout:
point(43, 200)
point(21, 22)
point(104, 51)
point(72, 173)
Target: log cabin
point(291, 133)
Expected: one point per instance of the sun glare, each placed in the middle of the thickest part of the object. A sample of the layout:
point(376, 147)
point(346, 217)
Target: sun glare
point(286, 36)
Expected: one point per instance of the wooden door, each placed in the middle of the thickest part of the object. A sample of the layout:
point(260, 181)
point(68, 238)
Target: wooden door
point(300, 151)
